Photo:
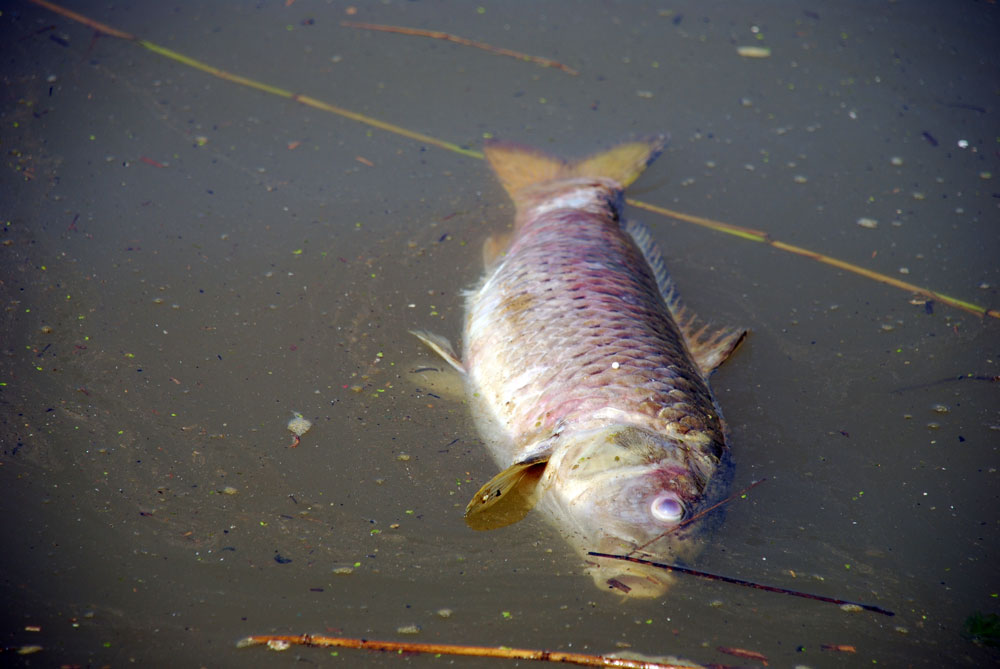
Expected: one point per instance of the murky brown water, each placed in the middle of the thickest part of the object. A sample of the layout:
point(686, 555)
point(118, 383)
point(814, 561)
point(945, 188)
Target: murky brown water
point(186, 262)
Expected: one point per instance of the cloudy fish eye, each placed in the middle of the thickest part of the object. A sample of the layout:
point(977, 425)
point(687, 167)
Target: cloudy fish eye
point(667, 508)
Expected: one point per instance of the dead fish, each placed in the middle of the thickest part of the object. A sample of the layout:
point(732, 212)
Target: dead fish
point(586, 374)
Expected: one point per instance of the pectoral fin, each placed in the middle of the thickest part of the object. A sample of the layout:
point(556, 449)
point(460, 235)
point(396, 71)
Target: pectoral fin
point(508, 497)
point(441, 346)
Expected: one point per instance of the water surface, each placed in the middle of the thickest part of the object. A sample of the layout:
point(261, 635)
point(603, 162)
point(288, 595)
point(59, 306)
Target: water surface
point(187, 262)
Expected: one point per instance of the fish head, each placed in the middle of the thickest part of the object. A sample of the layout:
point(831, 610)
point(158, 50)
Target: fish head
point(622, 489)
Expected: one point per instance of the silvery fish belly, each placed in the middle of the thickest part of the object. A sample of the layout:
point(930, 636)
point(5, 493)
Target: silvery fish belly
point(587, 377)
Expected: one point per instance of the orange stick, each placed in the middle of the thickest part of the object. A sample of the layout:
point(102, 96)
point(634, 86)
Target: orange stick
point(744, 653)
point(282, 642)
point(436, 34)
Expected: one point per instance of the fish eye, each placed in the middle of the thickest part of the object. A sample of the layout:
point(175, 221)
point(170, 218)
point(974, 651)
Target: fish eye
point(667, 508)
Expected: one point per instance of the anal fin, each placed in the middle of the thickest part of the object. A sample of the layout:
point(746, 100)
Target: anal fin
point(710, 348)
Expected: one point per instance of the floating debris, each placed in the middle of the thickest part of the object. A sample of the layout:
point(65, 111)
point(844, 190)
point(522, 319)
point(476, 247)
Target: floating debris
point(866, 222)
point(754, 51)
point(298, 426)
point(838, 647)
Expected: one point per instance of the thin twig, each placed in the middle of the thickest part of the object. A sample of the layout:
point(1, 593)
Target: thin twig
point(436, 34)
point(746, 584)
point(282, 642)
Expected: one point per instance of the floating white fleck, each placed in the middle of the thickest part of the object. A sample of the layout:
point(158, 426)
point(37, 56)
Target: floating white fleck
point(866, 222)
point(754, 51)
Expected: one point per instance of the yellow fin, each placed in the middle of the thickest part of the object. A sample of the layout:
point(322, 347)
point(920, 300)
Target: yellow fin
point(624, 163)
point(710, 348)
point(507, 497)
point(519, 166)
point(441, 346)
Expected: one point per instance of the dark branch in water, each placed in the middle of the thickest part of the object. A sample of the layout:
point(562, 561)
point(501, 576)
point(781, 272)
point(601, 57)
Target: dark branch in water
point(746, 584)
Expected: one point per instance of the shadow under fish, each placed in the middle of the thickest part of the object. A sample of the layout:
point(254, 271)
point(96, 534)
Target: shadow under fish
point(587, 377)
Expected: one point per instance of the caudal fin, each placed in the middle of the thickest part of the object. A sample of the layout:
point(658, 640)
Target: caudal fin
point(519, 166)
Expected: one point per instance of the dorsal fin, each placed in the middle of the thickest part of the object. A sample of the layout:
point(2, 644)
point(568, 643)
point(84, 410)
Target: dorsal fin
point(519, 167)
point(709, 348)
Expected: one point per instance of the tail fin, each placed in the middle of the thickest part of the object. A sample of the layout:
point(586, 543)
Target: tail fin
point(519, 166)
